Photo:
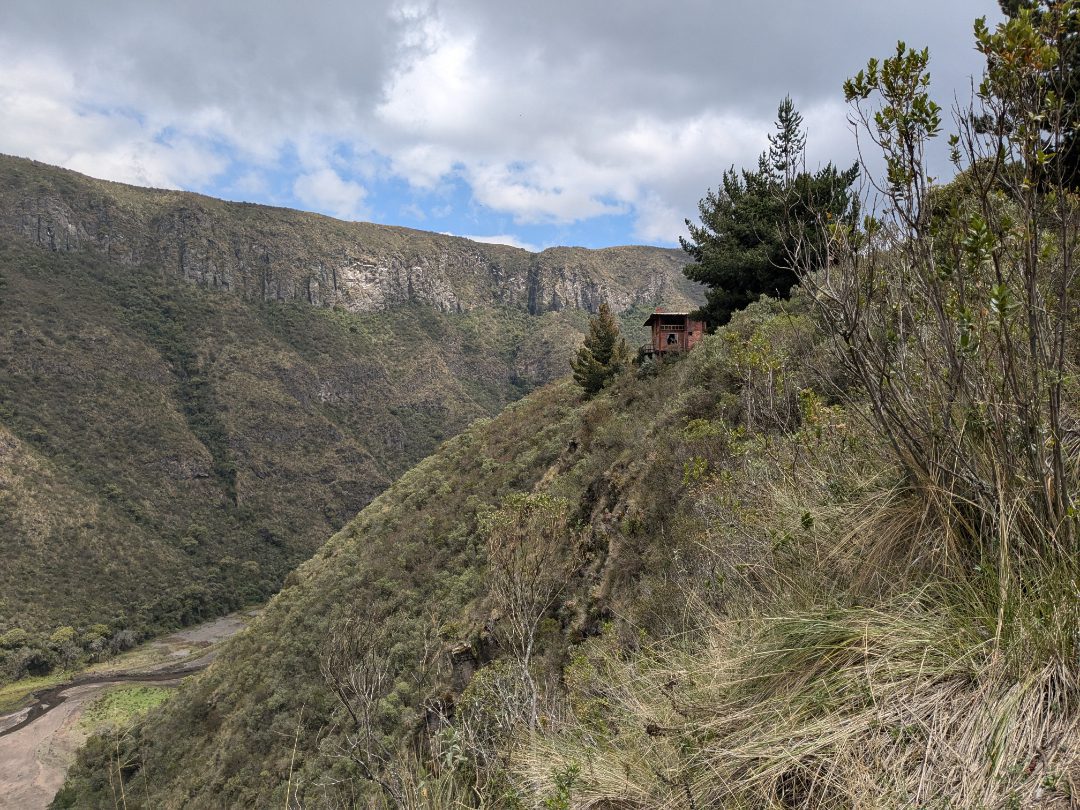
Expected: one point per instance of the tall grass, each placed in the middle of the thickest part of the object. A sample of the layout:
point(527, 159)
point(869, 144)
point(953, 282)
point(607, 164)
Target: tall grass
point(904, 703)
point(859, 659)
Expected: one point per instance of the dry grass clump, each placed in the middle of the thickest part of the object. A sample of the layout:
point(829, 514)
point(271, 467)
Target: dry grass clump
point(911, 703)
point(860, 659)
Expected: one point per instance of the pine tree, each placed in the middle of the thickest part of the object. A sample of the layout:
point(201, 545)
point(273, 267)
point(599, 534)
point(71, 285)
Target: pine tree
point(787, 146)
point(602, 355)
point(750, 225)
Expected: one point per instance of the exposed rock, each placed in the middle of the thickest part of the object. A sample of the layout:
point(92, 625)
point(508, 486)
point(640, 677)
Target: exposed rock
point(277, 254)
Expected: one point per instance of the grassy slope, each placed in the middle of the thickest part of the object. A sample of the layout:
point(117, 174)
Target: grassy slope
point(413, 558)
point(757, 621)
point(122, 705)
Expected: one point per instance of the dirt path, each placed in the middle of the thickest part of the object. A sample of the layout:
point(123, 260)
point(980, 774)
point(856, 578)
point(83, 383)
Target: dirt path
point(38, 743)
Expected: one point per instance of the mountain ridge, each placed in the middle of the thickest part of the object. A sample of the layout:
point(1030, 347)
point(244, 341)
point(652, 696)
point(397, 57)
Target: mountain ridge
point(270, 253)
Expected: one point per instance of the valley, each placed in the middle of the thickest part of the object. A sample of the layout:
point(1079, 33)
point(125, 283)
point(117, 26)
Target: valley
point(195, 394)
point(38, 742)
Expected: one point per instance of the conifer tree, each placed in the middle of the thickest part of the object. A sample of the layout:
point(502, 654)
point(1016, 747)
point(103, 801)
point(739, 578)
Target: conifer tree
point(786, 147)
point(751, 225)
point(602, 355)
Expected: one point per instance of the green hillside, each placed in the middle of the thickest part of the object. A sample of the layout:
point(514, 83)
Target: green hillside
point(170, 449)
point(744, 602)
point(827, 559)
point(412, 564)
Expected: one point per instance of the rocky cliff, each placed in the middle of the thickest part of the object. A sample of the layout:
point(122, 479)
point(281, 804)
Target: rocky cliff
point(278, 254)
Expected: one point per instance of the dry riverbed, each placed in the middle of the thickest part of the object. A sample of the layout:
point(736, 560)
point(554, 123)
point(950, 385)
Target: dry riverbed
point(34, 758)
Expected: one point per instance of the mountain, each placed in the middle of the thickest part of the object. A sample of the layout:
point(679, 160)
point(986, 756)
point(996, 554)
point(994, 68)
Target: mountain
point(195, 394)
point(276, 254)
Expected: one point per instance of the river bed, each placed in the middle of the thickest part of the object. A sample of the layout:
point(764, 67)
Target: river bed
point(34, 758)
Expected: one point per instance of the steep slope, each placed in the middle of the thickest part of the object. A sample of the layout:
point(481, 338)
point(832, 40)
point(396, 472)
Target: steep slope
point(413, 564)
point(748, 611)
point(171, 446)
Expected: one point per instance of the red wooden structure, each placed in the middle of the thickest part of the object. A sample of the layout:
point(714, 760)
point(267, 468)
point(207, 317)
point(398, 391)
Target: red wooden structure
point(672, 332)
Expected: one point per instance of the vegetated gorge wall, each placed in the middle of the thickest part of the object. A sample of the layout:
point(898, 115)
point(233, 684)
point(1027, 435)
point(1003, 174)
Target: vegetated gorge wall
point(266, 253)
point(171, 447)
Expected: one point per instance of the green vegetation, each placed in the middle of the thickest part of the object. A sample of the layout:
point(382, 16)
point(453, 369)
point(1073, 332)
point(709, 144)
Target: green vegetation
point(15, 695)
point(1061, 23)
point(377, 609)
point(170, 451)
point(759, 227)
point(828, 559)
point(121, 705)
point(603, 354)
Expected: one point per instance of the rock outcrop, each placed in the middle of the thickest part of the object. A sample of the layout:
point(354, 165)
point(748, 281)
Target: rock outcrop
point(265, 253)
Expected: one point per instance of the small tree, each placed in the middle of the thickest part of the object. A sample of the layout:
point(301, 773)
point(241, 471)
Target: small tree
point(602, 355)
point(954, 308)
point(531, 556)
point(1060, 23)
point(364, 663)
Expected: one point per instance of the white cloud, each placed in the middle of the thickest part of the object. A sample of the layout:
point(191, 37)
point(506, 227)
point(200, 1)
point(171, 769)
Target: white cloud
point(46, 117)
point(325, 191)
point(423, 165)
point(550, 113)
point(537, 193)
point(440, 93)
point(252, 183)
point(504, 239)
point(658, 222)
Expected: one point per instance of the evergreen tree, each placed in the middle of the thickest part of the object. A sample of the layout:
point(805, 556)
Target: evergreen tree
point(751, 224)
point(787, 146)
point(602, 355)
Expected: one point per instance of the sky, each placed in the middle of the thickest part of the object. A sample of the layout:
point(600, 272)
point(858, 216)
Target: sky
point(579, 122)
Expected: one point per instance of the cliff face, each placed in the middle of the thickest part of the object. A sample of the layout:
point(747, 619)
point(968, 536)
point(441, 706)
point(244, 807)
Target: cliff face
point(267, 253)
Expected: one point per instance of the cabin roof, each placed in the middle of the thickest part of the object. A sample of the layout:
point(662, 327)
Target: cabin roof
point(667, 317)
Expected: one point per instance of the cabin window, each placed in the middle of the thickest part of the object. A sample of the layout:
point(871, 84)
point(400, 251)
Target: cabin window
point(671, 338)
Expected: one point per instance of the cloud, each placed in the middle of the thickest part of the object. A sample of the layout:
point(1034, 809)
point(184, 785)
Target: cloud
point(253, 184)
point(547, 115)
point(47, 117)
point(504, 239)
point(326, 192)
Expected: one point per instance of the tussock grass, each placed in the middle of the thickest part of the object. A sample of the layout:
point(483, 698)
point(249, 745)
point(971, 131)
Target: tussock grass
point(944, 692)
point(863, 655)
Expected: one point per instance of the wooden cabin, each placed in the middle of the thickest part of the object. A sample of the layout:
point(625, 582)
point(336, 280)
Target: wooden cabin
point(672, 332)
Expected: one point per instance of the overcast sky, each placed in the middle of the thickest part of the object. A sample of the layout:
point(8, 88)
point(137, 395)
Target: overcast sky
point(533, 123)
